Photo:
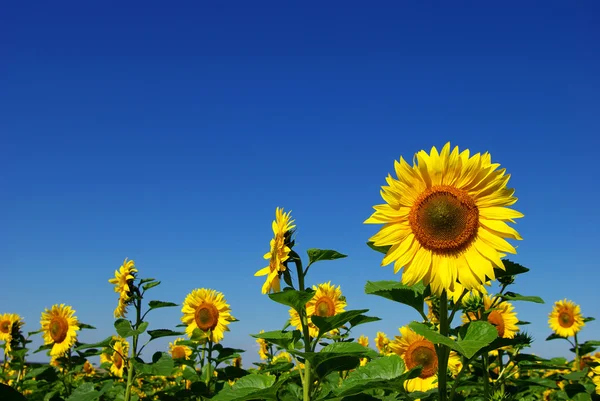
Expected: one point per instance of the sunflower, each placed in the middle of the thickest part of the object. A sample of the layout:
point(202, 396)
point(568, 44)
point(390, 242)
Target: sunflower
point(326, 302)
point(565, 318)
point(237, 362)
point(279, 253)
point(88, 368)
point(596, 378)
point(119, 356)
point(179, 351)
point(282, 356)
point(502, 316)
point(263, 348)
point(10, 324)
point(364, 341)
point(382, 343)
point(59, 326)
point(455, 364)
point(123, 282)
point(208, 311)
point(415, 350)
point(445, 219)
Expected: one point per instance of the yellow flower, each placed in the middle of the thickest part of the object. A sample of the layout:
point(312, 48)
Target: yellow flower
point(208, 311)
point(326, 302)
point(445, 219)
point(118, 358)
point(237, 362)
point(59, 326)
point(565, 318)
point(263, 348)
point(502, 317)
point(415, 350)
point(382, 343)
point(596, 378)
point(455, 364)
point(9, 323)
point(88, 368)
point(178, 351)
point(123, 282)
point(363, 340)
point(279, 253)
point(282, 356)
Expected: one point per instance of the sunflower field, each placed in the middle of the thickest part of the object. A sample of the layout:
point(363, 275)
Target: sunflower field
point(444, 225)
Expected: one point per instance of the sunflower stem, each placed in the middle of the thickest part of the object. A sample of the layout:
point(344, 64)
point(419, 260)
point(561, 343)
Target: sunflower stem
point(486, 376)
point(442, 350)
point(138, 321)
point(577, 358)
point(208, 367)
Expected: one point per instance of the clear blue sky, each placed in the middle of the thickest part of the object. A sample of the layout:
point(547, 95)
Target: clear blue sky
point(169, 135)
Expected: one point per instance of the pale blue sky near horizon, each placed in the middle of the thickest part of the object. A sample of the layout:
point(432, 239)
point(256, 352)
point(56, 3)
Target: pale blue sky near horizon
point(169, 135)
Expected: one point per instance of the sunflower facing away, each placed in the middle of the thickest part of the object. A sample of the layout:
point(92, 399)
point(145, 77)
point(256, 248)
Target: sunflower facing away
point(208, 311)
point(179, 351)
point(279, 253)
point(445, 219)
point(9, 324)
point(263, 348)
point(59, 326)
point(502, 316)
point(123, 282)
point(415, 350)
point(327, 301)
point(118, 357)
point(565, 318)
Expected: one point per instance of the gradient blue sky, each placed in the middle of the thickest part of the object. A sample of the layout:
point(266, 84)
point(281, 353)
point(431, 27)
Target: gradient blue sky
point(169, 135)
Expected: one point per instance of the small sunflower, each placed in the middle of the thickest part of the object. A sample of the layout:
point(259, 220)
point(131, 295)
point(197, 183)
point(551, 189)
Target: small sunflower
point(279, 253)
point(565, 318)
point(327, 301)
point(445, 219)
point(596, 378)
point(282, 356)
point(263, 348)
point(10, 324)
point(502, 316)
point(455, 364)
point(59, 326)
point(119, 357)
point(123, 282)
point(208, 311)
point(179, 351)
point(416, 350)
point(364, 341)
point(237, 362)
point(88, 368)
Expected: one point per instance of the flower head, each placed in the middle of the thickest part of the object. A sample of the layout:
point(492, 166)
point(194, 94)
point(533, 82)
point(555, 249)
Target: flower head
point(566, 319)
point(59, 328)
point(208, 311)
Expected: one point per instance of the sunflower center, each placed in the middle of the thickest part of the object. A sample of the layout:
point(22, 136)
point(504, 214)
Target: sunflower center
point(178, 352)
point(207, 317)
point(324, 307)
point(496, 319)
point(422, 353)
point(444, 219)
point(5, 326)
point(565, 319)
point(58, 327)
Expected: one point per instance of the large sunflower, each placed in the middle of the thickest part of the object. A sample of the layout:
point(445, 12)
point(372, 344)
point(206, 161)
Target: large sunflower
point(445, 219)
point(279, 253)
point(208, 311)
point(502, 316)
point(59, 326)
point(9, 324)
point(416, 350)
point(327, 301)
point(179, 351)
point(566, 319)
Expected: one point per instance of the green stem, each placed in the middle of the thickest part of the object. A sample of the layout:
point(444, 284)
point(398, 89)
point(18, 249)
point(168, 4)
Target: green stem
point(442, 350)
point(486, 377)
point(501, 369)
point(457, 379)
point(208, 367)
point(306, 387)
point(138, 321)
point(577, 357)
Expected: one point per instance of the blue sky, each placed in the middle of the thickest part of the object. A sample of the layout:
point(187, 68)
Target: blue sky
point(169, 135)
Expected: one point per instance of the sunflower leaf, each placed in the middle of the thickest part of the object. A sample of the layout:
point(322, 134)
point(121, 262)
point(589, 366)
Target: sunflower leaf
point(362, 319)
point(326, 324)
point(250, 387)
point(411, 295)
point(337, 357)
point(160, 304)
point(295, 299)
point(43, 348)
point(588, 319)
point(315, 255)
point(282, 338)
point(102, 344)
point(149, 285)
point(382, 249)
point(154, 334)
point(85, 326)
point(587, 347)
point(479, 335)
point(146, 280)
point(555, 336)
point(513, 296)
point(123, 327)
point(511, 269)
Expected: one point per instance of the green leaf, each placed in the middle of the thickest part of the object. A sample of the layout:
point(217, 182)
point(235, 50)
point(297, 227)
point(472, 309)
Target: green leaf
point(555, 336)
point(588, 319)
point(149, 285)
point(295, 299)
point(85, 392)
point(83, 326)
point(282, 338)
point(362, 319)
point(398, 292)
point(587, 347)
point(146, 280)
point(512, 269)
point(102, 344)
point(576, 376)
point(250, 387)
point(326, 324)
point(43, 348)
point(382, 249)
point(386, 373)
point(124, 329)
point(142, 328)
point(315, 255)
point(512, 296)
point(337, 357)
point(10, 394)
point(162, 365)
point(154, 334)
point(160, 304)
